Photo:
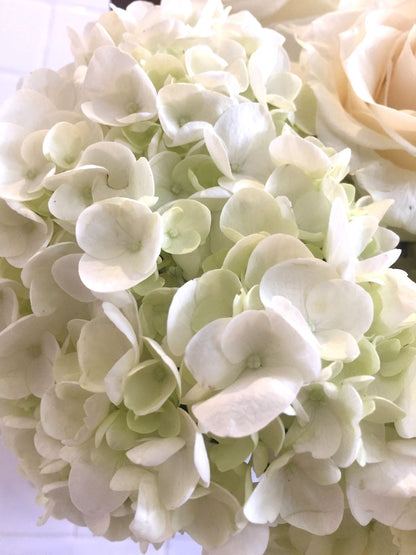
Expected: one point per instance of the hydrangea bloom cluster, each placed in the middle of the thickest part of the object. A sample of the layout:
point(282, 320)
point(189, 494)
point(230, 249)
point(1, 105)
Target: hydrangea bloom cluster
point(201, 328)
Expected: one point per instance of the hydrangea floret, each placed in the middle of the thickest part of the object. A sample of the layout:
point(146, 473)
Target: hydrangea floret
point(200, 327)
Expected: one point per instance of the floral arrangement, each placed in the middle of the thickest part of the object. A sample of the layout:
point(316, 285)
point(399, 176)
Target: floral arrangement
point(201, 328)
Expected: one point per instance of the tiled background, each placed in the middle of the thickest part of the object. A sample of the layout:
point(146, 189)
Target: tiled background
point(32, 35)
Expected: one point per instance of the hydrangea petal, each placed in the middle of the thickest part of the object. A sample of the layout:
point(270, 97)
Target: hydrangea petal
point(292, 149)
point(185, 110)
point(340, 304)
point(189, 464)
point(151, 520)
point(251, 540)
point(294, 279)
point(252, 210)
point(65, 273)
point(89, 488)
point(246, 131)
point(205, 359)
point(216, 517)
point(337, 345)
point(156, 451)
point(122, 240)
point(249, 404)
point(120, 91)
point(271, 251)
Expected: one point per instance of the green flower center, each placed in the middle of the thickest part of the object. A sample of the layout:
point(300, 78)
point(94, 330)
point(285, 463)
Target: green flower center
point(69, 159)
point(135, 246)
point(173, 233)
point(31, 173)
point(254, 362)
point(132, 108)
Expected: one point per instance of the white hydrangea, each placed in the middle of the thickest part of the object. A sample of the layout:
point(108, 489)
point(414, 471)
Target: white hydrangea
point(200, 328)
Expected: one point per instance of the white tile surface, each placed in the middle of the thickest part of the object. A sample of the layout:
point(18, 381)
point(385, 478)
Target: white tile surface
point(32, 35)
point(24, 25)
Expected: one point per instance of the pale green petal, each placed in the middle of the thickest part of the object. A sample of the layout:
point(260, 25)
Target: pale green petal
point(63, 144)
point(156, 451)
point(99, 347)
point(186, 225)
point(214, 517)
point(148, 386)
point(185, 110)
point(252, 210)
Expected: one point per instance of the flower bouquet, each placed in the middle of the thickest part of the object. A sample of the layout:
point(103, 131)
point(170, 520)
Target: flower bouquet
point(201, 328)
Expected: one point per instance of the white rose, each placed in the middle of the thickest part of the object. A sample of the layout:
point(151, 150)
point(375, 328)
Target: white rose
point(271, 12)
point(362, 67)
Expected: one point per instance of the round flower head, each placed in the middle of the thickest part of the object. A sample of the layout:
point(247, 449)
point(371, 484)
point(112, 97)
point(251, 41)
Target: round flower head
point(200, 328)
